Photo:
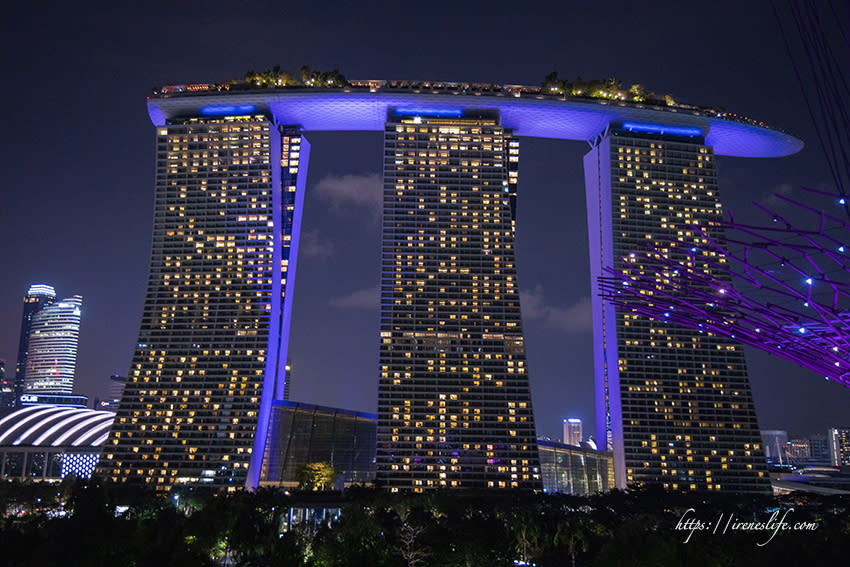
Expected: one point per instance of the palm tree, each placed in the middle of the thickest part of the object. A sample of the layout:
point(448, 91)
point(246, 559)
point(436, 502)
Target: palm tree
point(574, 535)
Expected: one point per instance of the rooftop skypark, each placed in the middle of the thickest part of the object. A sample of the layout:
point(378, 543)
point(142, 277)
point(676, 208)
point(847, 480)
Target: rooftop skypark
point(602, 91)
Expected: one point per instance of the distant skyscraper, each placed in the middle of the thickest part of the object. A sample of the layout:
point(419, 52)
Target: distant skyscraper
point(454, 406)
point(774, 441)
point(677, 401)
point(573, 434)
point(7, 388)
point(38, 296)
point(819, 449)
point(114, 393)
point(286, 385)
point(839, 446)
point(52, 348)
point(798, 451)
point(214, 334)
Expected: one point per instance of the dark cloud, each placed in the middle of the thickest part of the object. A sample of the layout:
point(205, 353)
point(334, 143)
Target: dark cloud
point(368, 298)
point(314, 245)
point(576, 318)
point(352, 193)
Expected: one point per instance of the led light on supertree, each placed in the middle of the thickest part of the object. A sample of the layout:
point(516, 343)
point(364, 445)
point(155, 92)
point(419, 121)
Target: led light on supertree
point(782, 287)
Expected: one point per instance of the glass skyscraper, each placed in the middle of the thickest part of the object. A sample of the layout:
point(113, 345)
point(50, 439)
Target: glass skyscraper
point(212, 344)
point(38, 296)
point(454, 406)
point(52, 348)
point(677, 402)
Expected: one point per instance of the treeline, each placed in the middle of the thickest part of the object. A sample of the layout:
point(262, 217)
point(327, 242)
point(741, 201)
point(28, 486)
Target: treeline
point(75, 524)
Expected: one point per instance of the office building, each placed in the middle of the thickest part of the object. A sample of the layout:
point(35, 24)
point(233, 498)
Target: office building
point(301, 434)
point(575, 469)
point(774, 442)
point(213, 340)
point(52, 348)
point(819, 449)
point(839, 446)
point(454, 405)
point(38, 296)
point(677, 402)
point(572, 432)
point(116, 387)
point(114, 392)
point(7, 387)
point(798, 451)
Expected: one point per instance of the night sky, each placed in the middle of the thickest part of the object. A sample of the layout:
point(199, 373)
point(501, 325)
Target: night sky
point(78, 165)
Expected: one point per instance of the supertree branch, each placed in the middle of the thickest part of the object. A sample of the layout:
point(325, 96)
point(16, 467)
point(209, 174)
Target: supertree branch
point(781, 288)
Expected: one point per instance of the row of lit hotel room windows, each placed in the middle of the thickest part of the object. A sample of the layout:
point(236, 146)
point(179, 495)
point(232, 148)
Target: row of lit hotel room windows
point(627, 145)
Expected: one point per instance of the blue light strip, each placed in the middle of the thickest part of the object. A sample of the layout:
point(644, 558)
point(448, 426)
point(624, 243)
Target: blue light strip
point(227, 109)
point(280, 318)
point(434, 112)
point(662, 129)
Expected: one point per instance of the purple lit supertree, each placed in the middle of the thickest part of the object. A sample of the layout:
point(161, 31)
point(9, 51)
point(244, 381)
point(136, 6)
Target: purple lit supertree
point(783, 288)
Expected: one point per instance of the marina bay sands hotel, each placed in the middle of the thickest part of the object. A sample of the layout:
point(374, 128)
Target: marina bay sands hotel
point(454, 402)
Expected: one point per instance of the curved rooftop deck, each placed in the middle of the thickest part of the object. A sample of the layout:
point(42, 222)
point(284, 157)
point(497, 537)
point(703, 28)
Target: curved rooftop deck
point(364, 108)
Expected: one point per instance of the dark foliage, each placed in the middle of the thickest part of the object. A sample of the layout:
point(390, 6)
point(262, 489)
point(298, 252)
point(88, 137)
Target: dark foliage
point(95, 524)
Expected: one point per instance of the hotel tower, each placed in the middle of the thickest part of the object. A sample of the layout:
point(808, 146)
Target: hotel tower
point(212, 343)
point(454, 406)
point(677, 402)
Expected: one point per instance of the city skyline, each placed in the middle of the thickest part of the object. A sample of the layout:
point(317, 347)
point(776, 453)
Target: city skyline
point(550, 305)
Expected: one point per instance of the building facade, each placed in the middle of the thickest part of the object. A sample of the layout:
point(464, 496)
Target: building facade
point(7, 387)
point(775, 443)
point(819, 449)
point(798, 451)
point(454, 405)
point(677, 402)
point(839, 446)
point(214, 334)
point(52, 348)
point(38, 296)
point(301, 434)
point(575, 469)
point(573, 434)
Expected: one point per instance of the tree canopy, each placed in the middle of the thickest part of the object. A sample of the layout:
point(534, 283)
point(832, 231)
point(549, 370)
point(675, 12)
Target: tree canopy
point(610, 88)
point(317, 476)
point(307, 77)
point(103, 524)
